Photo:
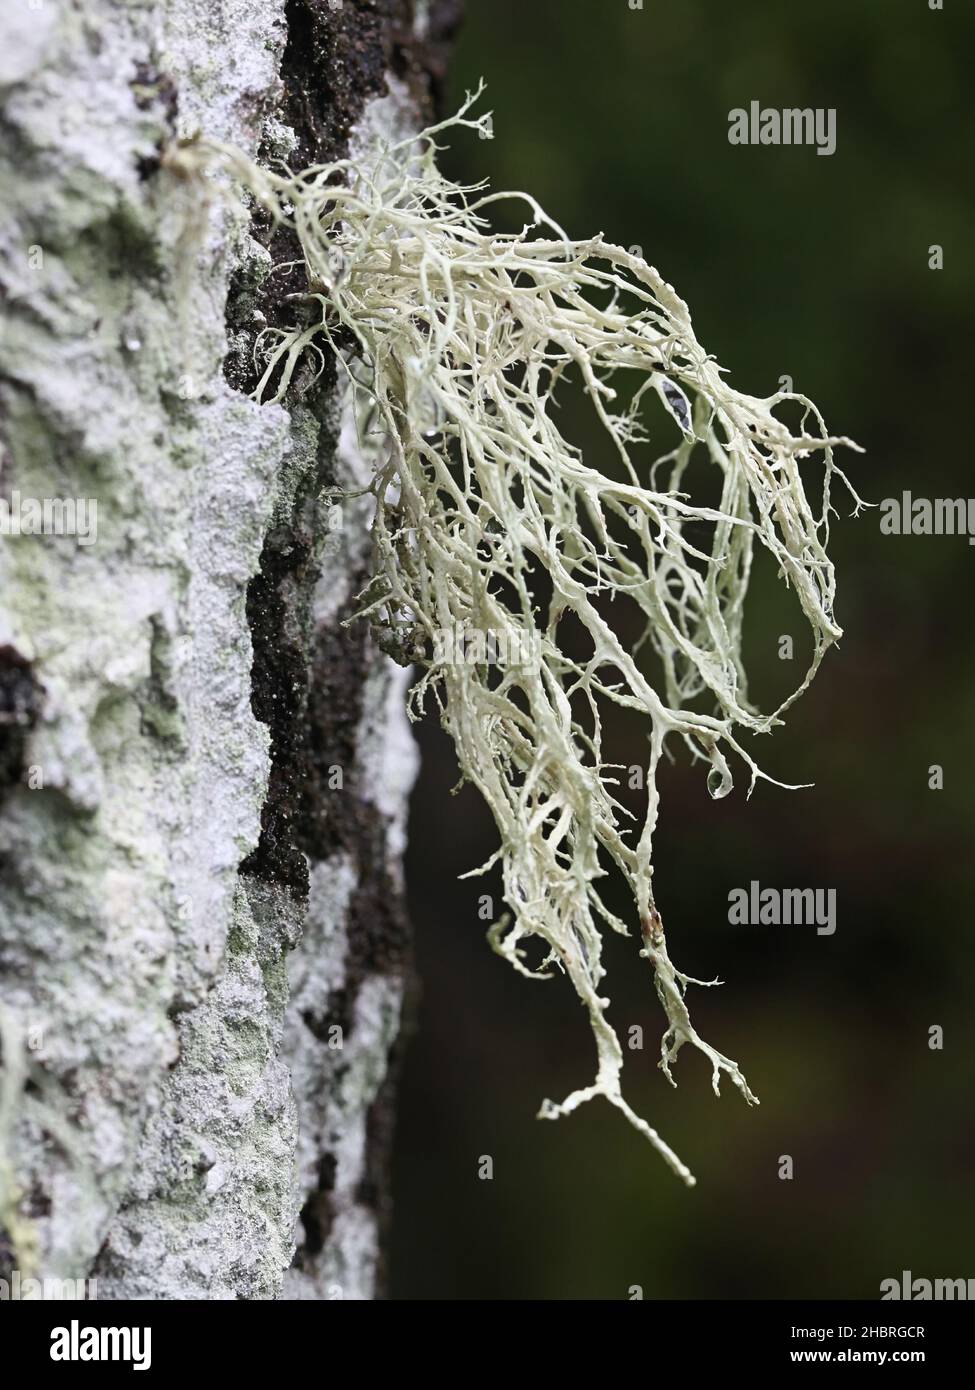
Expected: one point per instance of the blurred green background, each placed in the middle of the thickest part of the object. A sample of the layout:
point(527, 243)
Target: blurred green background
point(617, 120)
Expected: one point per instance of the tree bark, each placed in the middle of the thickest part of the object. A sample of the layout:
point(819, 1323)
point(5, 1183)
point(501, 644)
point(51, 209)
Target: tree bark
point(203, 774)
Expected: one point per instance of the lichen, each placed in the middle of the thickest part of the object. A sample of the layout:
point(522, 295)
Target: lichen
point(458, 341)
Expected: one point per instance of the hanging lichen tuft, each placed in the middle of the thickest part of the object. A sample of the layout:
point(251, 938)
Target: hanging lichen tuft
point(458, 340)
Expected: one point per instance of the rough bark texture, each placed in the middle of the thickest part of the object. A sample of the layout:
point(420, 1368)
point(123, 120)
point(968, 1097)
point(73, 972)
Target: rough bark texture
point(203, 776)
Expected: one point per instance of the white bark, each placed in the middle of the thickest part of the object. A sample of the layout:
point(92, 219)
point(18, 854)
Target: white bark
point(175, 1119)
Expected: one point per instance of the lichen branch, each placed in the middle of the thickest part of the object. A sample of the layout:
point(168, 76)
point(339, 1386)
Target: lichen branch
point(458, 341)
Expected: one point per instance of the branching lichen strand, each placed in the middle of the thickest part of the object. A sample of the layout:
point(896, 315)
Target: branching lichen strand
point(458, 340)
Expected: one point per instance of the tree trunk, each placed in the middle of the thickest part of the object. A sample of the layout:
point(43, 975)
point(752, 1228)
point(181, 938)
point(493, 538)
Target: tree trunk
point(203, 774)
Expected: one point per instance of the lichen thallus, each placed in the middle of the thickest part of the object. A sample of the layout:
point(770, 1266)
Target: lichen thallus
point(457, 341)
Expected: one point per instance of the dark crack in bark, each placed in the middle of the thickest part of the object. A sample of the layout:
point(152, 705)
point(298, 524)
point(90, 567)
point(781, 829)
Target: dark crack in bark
point(308, 686)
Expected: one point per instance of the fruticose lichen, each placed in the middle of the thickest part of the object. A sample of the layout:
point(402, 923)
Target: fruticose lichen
point(458, 340)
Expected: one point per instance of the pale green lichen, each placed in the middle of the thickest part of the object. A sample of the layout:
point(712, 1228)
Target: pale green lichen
point(457, 339)
point(13, 1075)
